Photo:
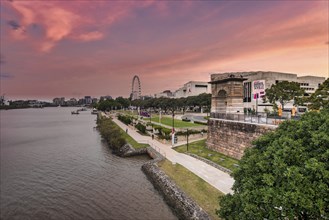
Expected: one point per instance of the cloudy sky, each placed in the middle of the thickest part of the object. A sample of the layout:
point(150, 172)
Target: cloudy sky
point(77, 48)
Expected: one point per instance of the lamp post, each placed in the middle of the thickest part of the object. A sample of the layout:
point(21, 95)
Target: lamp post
point(173, 122)
point(151, 120)
point(186, 139)
point(173, 129)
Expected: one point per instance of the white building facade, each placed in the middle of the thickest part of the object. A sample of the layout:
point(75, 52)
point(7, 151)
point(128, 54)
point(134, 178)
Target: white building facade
point(192, 88)
point(257, 82)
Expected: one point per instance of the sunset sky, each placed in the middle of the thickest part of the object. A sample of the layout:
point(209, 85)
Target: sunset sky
point(76, 48)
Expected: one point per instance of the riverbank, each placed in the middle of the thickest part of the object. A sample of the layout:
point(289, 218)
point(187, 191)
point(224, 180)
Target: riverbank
point(181, 203)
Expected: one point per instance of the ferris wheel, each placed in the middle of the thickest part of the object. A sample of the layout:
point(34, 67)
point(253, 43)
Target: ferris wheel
point(135, 88)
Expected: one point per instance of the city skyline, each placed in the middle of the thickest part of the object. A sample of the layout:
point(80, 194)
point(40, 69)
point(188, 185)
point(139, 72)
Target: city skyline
point(54, 49)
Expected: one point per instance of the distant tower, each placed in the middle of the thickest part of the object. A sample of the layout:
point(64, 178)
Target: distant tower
point(135, 88)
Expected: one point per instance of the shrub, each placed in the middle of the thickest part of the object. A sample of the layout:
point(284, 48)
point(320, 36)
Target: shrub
point(141, 128)
point(110, 133)
point(164, 133)
point(125, 119)
point(201, 123)
point(183, 133)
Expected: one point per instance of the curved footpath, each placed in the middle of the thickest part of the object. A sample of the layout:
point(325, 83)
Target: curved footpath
point(217, 178)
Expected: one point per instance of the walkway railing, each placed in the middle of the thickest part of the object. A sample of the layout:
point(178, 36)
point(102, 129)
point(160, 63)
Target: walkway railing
point(162, 152)
point(261, 118)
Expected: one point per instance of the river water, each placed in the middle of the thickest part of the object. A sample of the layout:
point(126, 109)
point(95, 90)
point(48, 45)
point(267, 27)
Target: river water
point(55, 166)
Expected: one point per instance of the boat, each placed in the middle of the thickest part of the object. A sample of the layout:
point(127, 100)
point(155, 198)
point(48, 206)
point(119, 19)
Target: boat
point(94, 111)
point(75, 112)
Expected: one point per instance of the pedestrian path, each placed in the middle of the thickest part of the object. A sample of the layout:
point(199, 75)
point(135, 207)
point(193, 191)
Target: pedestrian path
point(217, 178)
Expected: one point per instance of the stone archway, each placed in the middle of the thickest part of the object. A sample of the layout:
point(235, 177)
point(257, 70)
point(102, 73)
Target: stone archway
point(222, 93)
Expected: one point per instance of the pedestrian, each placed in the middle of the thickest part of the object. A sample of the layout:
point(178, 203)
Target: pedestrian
point(126, 130)
point(201, 133)
point(152, 136)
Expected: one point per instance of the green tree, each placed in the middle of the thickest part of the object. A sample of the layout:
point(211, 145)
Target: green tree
point(111, 133)
point(205, 101)
point(107, 105)
point(284, 92)
point(285, 175)
point(320, 98)
point(123, 103)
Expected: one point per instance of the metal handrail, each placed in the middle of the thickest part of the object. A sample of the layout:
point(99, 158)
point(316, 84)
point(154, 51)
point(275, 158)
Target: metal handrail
point(258, 119)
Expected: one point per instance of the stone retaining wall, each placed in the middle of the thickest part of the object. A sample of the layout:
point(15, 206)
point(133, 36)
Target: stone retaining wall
point(232, 137)
point(183, 206)
point(128, 151)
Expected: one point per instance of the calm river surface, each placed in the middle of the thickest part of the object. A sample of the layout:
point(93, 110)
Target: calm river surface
point(54, 166)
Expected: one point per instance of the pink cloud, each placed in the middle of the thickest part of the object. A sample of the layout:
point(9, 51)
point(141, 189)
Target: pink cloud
point(94, 35)
point(58, 22)
point(71, 21)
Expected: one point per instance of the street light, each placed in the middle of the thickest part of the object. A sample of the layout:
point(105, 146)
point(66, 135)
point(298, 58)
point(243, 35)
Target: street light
point(173, 130)
point(186, 139)
point(173, 122)
point(151, 120)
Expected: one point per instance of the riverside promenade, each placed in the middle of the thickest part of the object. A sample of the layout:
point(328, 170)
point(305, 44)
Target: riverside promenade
point(217, 178)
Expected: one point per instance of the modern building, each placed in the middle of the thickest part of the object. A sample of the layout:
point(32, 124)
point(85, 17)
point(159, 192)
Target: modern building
point(192, 88)
point(59, 101)
point(257, 82)
point(72, 102)
point(166, 93)
point(107, 97)
point(310, 83)
point(88, 100)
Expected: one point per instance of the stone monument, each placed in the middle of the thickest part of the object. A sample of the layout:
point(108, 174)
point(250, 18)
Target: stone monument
point(227, 93)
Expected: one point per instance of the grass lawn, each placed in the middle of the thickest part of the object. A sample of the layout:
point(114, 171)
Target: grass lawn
point(131, 141)
point(199, 190)
point(178, 123)
point(199, 148)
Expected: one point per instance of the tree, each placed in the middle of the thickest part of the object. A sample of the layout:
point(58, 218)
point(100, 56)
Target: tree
point(284, 92)
point(285, 175)
point(320, 98)
point(107, 105)
point(205, 101)
point(124, 103)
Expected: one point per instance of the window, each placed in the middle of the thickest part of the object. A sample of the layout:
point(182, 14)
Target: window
point(247, 92)
point(201, 86)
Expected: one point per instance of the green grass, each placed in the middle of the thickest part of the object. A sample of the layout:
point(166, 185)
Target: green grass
point(178, 123)
point(199, 190)
point(131, 141)
point(199, 148)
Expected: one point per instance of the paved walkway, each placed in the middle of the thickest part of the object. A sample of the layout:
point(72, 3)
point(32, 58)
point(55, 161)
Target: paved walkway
point(217, 178)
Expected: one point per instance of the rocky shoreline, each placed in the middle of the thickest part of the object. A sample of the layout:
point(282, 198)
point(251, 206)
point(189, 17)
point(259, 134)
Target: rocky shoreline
point(182, 205)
